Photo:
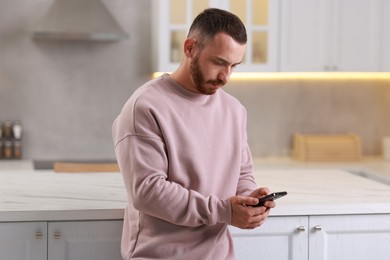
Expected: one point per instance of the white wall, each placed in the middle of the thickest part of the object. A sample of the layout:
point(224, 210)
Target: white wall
point(68, 93)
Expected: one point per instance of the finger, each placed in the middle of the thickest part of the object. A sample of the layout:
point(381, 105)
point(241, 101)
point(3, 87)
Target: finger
point(260, 192)
point(264, 190)
point(258, 220)
point(253, 225)
point(269, 204)
point(238, 200)
point(249, 201)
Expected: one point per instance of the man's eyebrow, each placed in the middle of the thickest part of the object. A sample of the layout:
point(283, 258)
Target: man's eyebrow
point(226, 62)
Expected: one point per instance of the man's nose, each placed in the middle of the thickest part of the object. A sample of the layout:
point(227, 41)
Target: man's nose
point(224, 75)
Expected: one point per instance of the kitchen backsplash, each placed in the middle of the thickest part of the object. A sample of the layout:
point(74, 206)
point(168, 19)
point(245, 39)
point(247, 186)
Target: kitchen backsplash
point(67, 94)
point(279, 108)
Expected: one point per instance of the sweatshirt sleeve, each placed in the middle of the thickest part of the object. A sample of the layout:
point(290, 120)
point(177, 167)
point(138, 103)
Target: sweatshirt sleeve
point(144, 167)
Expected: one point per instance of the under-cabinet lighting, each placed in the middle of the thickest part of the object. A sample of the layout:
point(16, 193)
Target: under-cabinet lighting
point(303, 75)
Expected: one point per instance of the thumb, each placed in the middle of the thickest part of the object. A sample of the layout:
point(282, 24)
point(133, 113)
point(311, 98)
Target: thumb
point(261, 192)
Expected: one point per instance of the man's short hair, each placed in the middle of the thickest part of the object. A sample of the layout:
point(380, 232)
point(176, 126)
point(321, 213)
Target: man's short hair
point(213, 21)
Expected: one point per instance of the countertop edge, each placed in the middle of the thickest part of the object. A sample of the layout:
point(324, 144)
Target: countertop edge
point(336, 209)
point(62, 215)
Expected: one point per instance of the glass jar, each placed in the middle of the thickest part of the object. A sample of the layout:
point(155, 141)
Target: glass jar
point(1, 149)
point(17, 153)
point(8, 151)
point(7, 131)
point(17, 130)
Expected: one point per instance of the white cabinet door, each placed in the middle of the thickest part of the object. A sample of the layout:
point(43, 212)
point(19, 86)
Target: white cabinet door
point(172, 19)
point(280, 238)
point(356, 35)
point(304, 35)
point(86, 240)
point(261, 19)
point(23, 241)
point(357, 237)
point(331, 35)
point(386, 35)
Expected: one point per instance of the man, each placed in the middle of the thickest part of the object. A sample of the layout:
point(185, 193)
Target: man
point(181, 145)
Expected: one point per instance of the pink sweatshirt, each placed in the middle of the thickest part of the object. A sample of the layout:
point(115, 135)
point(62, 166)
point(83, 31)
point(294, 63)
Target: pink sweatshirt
point(182, 156)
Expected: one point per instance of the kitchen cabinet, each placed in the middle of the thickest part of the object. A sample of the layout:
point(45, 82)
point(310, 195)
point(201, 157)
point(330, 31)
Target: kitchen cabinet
point(331, 237)
point(84, 240)
point(331, 35)
point(23, 240)
point(386, 36)
point(61, 240)
point(172, 19)
point(357, 237)
point(278, 238)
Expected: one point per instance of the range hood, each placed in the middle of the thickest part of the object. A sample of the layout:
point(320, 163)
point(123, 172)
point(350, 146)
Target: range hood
point(79, 20)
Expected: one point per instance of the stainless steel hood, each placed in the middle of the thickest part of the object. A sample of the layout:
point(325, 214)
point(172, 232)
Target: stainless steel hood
point(79, 20)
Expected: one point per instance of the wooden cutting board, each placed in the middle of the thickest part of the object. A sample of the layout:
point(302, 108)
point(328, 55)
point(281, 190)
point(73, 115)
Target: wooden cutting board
point(327, 147)
point(73, 167)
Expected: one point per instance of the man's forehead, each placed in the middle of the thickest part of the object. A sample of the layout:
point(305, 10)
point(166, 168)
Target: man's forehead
point(225, 48)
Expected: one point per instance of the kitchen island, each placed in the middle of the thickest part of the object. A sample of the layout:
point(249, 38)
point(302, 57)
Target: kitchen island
point(48, 196)
point(326, 209)
point(55, 216)
point(314, 189)
point(328, 214)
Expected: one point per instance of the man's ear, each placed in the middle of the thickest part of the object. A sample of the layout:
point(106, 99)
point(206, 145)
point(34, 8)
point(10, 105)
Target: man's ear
point(189, 47)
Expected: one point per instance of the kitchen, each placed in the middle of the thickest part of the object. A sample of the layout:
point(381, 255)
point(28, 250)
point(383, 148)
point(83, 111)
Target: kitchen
point(67, 93)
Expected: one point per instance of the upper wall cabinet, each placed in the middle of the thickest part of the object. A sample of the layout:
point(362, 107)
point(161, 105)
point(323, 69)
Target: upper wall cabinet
point(172, 19)
point(332, 35)
point(386, 34)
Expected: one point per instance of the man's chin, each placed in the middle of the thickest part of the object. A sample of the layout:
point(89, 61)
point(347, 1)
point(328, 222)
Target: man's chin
point(211, 92)
point(209, 88)
point(207, 91)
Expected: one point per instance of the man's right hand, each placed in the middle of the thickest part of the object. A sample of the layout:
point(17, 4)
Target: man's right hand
point(247, 217)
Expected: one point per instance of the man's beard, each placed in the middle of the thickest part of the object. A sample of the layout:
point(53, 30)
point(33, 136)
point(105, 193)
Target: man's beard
point(199, 81)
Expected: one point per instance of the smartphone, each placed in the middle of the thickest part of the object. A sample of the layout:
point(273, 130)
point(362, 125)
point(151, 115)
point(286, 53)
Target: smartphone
point(271, 196)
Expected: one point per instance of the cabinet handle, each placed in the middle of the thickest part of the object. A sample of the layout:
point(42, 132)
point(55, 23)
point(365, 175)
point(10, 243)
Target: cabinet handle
point(38, 235)
point(57, 235)
point(301, 229)
point(318, 228)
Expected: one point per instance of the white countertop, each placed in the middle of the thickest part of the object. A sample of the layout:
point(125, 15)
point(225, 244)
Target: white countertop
point(45, 195)
point(314, 189)
point(374, 166)
point(324, 191)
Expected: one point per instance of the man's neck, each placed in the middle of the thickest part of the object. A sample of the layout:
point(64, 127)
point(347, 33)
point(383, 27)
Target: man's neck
point(180, 76)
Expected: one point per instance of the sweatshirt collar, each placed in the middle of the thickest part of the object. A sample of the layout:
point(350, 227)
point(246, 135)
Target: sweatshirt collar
point(190, 95)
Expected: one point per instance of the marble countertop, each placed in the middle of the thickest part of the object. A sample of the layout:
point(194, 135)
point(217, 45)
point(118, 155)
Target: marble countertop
point(28, 195)
point(373, 167)
point(314, 189)
point(324, 192)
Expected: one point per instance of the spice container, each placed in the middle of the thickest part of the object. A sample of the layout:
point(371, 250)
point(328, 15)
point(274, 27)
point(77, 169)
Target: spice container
point(1, 149)
point(10, 140)
point(7, 129)
point(17, 130)
point(8, 151)
point(17, 153)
